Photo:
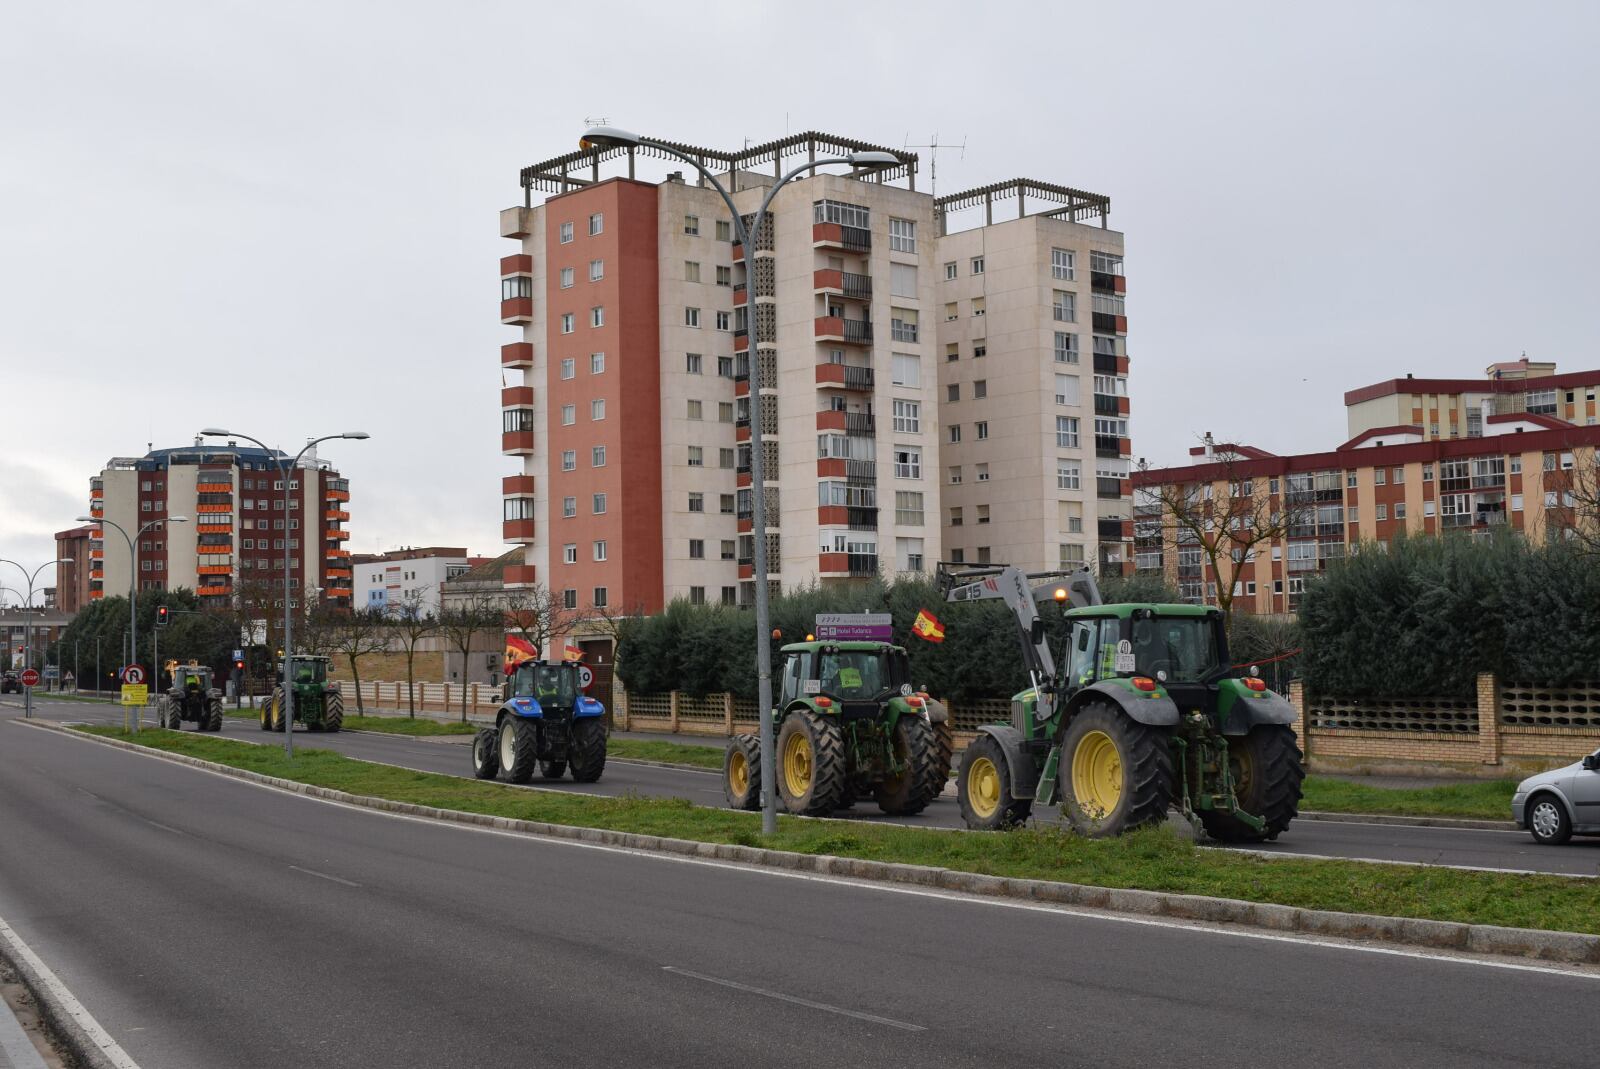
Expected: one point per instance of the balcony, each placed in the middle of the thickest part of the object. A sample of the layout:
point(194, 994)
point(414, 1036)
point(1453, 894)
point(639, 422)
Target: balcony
point(518, 263)
point(849, 422)
point(515, 485)
point(515, 532)
point(861, 472)
point(1107, 323)
point(336, 516)
point(1111, 445)
point(337, 573)
point(214, 488)
point(211, 591)
point(1111, 529)
point(516, 397)
point(845, 377)
point(220, 547)
point(337, 534)
point(518, 355)
point(839, 236)
point(848, 331)
point(516, 443)
point(516, 311)
point(861, 518)
point(337, 495)
point(844, 283)
point(862, 565)
point(1105, 404)
point(337, 554)
point(1107, 283)
point(1108, 488)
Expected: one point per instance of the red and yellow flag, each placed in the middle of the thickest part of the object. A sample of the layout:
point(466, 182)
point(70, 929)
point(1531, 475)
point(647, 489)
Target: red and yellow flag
point(571, 653)
point(927, 626)
point(517, 651)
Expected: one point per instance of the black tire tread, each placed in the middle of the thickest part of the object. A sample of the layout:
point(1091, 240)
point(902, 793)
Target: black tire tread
point(830, 765)
point(750, 746)
point(586, 750)
point(1148, 753)
point(1011, 811)
point(525, 755)
point(1277, 762)
point(485, 754)
point(332, 711)
point(910, 794)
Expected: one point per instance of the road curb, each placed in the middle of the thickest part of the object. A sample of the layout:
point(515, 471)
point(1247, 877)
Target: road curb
point(65, 1025)
point(1566, 947)
point(1413, 822)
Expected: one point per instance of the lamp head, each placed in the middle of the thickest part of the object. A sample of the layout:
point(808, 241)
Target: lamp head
point(355, 434)
point(215, 431)
point(85, 519)
point(872, 159)
point(598, 137)
point(177, 519)
point(64, 560)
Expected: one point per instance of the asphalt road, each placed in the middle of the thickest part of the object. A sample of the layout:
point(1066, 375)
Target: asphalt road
point(1476, 848)
point(207, 922)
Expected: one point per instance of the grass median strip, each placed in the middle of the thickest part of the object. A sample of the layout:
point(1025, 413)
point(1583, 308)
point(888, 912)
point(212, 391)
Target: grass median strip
point(1153, 860)
point(405, 725)
point(1486, 800)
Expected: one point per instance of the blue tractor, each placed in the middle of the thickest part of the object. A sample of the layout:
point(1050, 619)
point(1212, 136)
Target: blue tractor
point(546, 722)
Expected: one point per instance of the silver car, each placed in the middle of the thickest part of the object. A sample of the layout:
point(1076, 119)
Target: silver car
point(1555, 805)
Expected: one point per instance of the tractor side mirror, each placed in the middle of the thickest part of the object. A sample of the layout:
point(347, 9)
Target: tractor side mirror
point(1036, 632)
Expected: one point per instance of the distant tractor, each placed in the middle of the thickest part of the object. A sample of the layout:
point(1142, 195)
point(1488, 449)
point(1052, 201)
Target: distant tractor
point(191, 698)
point(318, 702)
point(10, 683)
point(847, 725)
point(1145, 713)
point(546, 722)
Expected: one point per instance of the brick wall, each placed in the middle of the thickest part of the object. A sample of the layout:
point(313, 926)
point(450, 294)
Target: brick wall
point(428, 667)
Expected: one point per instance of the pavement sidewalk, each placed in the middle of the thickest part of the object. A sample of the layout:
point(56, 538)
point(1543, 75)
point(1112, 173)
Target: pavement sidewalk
point(16, 1049)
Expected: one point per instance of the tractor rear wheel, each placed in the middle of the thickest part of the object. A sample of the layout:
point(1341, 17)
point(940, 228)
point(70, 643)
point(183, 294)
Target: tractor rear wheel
point(213, 721)
point(485, 758)
point(1266, 770)
point(1116, 773)
point(944, 757)
point(917, 750)
point(169, 714)
point(333, 711)
point(265, 713)
point(811, 763)
point(983, 788)
point(276, 710)
point(519, 749)
point(741, 772)
point(586, 751)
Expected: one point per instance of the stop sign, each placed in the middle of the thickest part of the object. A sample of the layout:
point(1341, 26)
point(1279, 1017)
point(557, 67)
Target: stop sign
point(30, 677)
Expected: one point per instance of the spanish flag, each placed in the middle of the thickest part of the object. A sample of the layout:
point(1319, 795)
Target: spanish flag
point(927, 626)
point(571, 653)
point(517, 651)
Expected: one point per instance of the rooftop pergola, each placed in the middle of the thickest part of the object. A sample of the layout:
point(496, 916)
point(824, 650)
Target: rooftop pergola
point(1072, 204)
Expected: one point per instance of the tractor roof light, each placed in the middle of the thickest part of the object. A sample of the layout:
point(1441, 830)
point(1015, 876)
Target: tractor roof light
point(1144, 683)
point(1061, 593)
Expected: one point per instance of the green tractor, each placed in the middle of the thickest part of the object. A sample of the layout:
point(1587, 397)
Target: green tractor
point(1145, 713)
point(318, 703)
point(847, 725)
point(191, 697)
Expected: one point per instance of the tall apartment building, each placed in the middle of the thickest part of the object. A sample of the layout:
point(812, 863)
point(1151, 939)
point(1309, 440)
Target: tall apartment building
point(240, 515)
point(639, 319)
point(72, 578)
point(403, 575)
point(1519, 469)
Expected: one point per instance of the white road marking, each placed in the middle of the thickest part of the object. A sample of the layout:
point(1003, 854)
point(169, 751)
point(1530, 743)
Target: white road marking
point(75, 1009)
point(873, 1018)
point(324, 875)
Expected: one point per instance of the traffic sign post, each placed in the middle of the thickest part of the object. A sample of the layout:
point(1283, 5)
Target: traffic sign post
point(134, 695)
point(30, 677)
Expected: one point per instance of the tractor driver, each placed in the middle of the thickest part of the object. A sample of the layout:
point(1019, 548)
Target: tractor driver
point(304, 674)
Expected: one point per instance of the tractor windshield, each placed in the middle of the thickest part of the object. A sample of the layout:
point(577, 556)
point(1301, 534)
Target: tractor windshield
point(855, 675)
point(1184, 647)
point(310, 671)
point(556, 685)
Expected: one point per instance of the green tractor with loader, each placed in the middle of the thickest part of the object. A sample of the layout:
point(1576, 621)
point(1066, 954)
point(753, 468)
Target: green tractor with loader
point(191, 698)
point(847, 726)
point(1143, 714)
point(318, 702)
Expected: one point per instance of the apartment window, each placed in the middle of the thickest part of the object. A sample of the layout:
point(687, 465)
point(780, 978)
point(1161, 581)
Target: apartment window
point(978, 306)
point(902, 235)
point(691, 271)
point(724, 275)
point(597, 316)
point(952, 352)
point(1427, 508)
point(952, 392)
point(597, 504)
point(569, 368)
point(1066, 348)
point(691, 224)
point(597, 363)
point(1399, 510)
point(727, 549)
point(566, 233)
point(600, 597)
point(980, 389)
point(955, 433)
point(1111, 385)
point(1398, 477)
point(1350, 479)
point(725, 458)
point(1380, 476)
point(1382, 511)
point(1515, 467)
point(982, 427)
point(597, 408)
point(691, 318)
point(1352, 514)
point(952, 311)
point(979, 350)
point(569, 460)
point(909, 554)
point(691, 363)
point(566, 278)
point(977, 265)
point(906, 370)
point(1062, 263)
point(724, 320)
point(1066, 432)
point(694, 409)
point(1427, 471)
point(569, 553)
point(600, 550)
point(1541, 402)
point(569, 507)
point(955, 516)
point(1066, 389)
point(1109, 304)
point(569, 415)
point(907, 417)
point(1071, 555)
point(903, 324)
point(697, 549)
point(1105, 263)
point(569, 322)
point(696, 457)
point(1069, 475)
point(950, 270)
point(1064, 306)
point(726, 503)
point(724, 411)
point(697, 501)
point(1516, 502)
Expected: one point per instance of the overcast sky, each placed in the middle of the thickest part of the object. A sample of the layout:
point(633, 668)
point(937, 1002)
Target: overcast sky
point(282, 217)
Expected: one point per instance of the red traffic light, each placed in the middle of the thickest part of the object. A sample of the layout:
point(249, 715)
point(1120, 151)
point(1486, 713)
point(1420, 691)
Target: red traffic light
point(161, 616)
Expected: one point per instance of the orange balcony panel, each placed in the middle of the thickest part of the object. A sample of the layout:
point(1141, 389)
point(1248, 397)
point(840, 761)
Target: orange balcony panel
point(211, 591)
point(742, 434)
point(517, 531)
point(96, 513)
point(516, 443)
point(338, 534)
point(214, 488)
point(747, 571)
point(97, 495)
point(214, 528)
point(1125, 446)
point(517, 485)
point(215, 569)
point(337, 515)
point(741, 343)
point(1119, 284)
point(743, 480)
point(1122, 367)
point(738, 252)
point(828, 278)
point(830, 374)
point(337, 593)
point(96, 595)
point(521, 575)
point(1122, 406)
point(519, 354)
point(831, 468)
point(516, 397)
point(226, 547)
point(847, 331)
point(96, 554)
point(518, 263)
point(745, 526)
point(741, 387)
point(214, 508)
point(833, 514)
point(830, 420)
point(517, 310)
point(336, 573)
point(827, 234)
point(1122, 324)
point(341, 553)
point(741, 297)
point(833, 563)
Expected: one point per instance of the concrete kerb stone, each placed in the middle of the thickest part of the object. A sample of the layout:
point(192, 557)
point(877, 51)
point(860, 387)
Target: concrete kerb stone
point(64, 1025)
point(1413, 822)
point(1568, 947)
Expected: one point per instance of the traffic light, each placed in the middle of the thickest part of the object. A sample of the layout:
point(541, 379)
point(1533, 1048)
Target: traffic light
point(238, 664)
point(161, 616)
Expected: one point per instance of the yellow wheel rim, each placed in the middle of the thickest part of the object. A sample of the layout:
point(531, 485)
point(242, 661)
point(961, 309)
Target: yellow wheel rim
point(1097, 775)
point(1241, 764)
point(983, 787)
point(797, 764)
point(739, 772)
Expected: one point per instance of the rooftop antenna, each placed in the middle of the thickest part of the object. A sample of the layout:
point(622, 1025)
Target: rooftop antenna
point(602, 121)
point(933, 148)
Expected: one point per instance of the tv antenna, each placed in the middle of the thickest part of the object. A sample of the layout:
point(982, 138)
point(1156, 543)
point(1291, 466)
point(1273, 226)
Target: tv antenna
point(602, 121)
point(933, 148)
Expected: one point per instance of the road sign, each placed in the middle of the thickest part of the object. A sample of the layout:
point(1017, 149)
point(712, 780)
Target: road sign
point(857, 626)
point(585, 677)
point(135, 694)
point(133, 675)
point(238, 655)
point(30, 677)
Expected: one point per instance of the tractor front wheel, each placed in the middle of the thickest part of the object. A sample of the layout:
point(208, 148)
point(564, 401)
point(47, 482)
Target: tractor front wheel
point(944, 737)
point(519, 749)
point(485, 759)
point(1266, 770)
point(983, 788)
point(170, 714)
point(333, 711)
point(276, 712)
point(916, 749)
point(741, 772)
point(213, 721)
point(811, 764)
point(1116, 773)
point(586, 750)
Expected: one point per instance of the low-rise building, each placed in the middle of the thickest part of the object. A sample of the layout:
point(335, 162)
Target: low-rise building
point(406, 576)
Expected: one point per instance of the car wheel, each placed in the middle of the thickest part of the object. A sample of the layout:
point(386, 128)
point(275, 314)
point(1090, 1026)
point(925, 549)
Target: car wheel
point(1548, 820)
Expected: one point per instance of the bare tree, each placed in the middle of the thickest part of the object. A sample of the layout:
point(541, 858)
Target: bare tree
point(466, 618)
point(354, 635)
point(1225, 511)
point(412, 622)
point(537, 615)
point(1575, 514)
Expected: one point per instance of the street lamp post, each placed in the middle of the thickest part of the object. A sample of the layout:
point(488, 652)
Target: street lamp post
point(278, 457)
point(27, 628)
point(133, 585)
point(611, 137)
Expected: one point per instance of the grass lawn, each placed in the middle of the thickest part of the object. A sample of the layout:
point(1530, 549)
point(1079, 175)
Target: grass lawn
point(1153, 860)
point(1483, 800)
point(405, 725)
point(671, 752)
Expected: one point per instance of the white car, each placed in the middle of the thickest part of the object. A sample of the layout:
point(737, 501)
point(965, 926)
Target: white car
point(1555, 805)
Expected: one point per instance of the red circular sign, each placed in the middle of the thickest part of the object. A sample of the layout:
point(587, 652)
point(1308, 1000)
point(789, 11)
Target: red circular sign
point(30, 677)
